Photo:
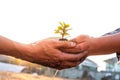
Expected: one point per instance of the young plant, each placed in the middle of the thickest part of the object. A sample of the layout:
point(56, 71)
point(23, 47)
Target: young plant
point(63, 29)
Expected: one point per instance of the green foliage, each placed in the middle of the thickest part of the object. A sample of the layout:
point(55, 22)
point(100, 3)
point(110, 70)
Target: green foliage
point(63, 29)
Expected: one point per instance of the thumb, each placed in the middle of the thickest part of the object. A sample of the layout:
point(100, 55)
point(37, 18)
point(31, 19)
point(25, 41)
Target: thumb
point(65, 44)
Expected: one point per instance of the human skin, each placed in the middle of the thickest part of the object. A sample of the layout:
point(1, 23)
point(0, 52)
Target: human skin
point(97, 45)
point(45, 52)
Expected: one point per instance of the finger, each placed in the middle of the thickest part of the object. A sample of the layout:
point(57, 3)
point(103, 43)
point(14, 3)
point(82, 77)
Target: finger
point(80, 38)
point(82, 46)
point(74, 57)
point(72, 51)
point(64, 44)
point(80, 59)
point(79, 48)
point(73, 40)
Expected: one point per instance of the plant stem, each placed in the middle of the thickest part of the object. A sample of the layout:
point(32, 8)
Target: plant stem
point(55, 74)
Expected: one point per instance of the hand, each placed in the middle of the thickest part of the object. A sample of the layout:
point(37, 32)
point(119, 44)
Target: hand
point(83, 44)
point(47, 52)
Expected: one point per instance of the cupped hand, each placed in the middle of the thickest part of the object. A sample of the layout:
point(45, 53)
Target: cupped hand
point(82, 44)
point(48, 53)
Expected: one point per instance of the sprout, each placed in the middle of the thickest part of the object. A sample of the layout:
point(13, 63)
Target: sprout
point(63, 30)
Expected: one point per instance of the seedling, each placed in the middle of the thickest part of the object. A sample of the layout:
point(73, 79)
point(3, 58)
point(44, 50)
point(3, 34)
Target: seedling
point(63, 30)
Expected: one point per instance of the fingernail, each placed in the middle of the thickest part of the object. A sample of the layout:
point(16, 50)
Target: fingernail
point(72, 44)
point(85, 51)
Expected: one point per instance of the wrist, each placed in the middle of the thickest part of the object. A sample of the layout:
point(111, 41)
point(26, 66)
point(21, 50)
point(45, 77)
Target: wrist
point(102, 46)
point(23, 51)
point(93, 46)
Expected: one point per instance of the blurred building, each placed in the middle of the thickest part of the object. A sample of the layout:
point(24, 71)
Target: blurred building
point(86, 69)
point(112, 65)
point(88, 65)
point(112, 69)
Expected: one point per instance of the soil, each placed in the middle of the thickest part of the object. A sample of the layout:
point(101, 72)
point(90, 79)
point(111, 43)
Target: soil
point(63, 39)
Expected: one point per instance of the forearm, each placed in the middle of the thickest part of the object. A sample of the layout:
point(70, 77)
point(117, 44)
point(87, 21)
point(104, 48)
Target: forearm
point(13, 48)
point(105, 45)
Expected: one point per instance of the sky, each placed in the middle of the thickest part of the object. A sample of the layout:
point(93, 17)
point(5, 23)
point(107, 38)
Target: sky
point(27, 21)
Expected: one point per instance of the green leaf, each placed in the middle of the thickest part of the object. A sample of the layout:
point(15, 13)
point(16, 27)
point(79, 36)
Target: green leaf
point(61, 23)
point(63, 29)
point(57, 31)
point(60, 28)
point(67, 25)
